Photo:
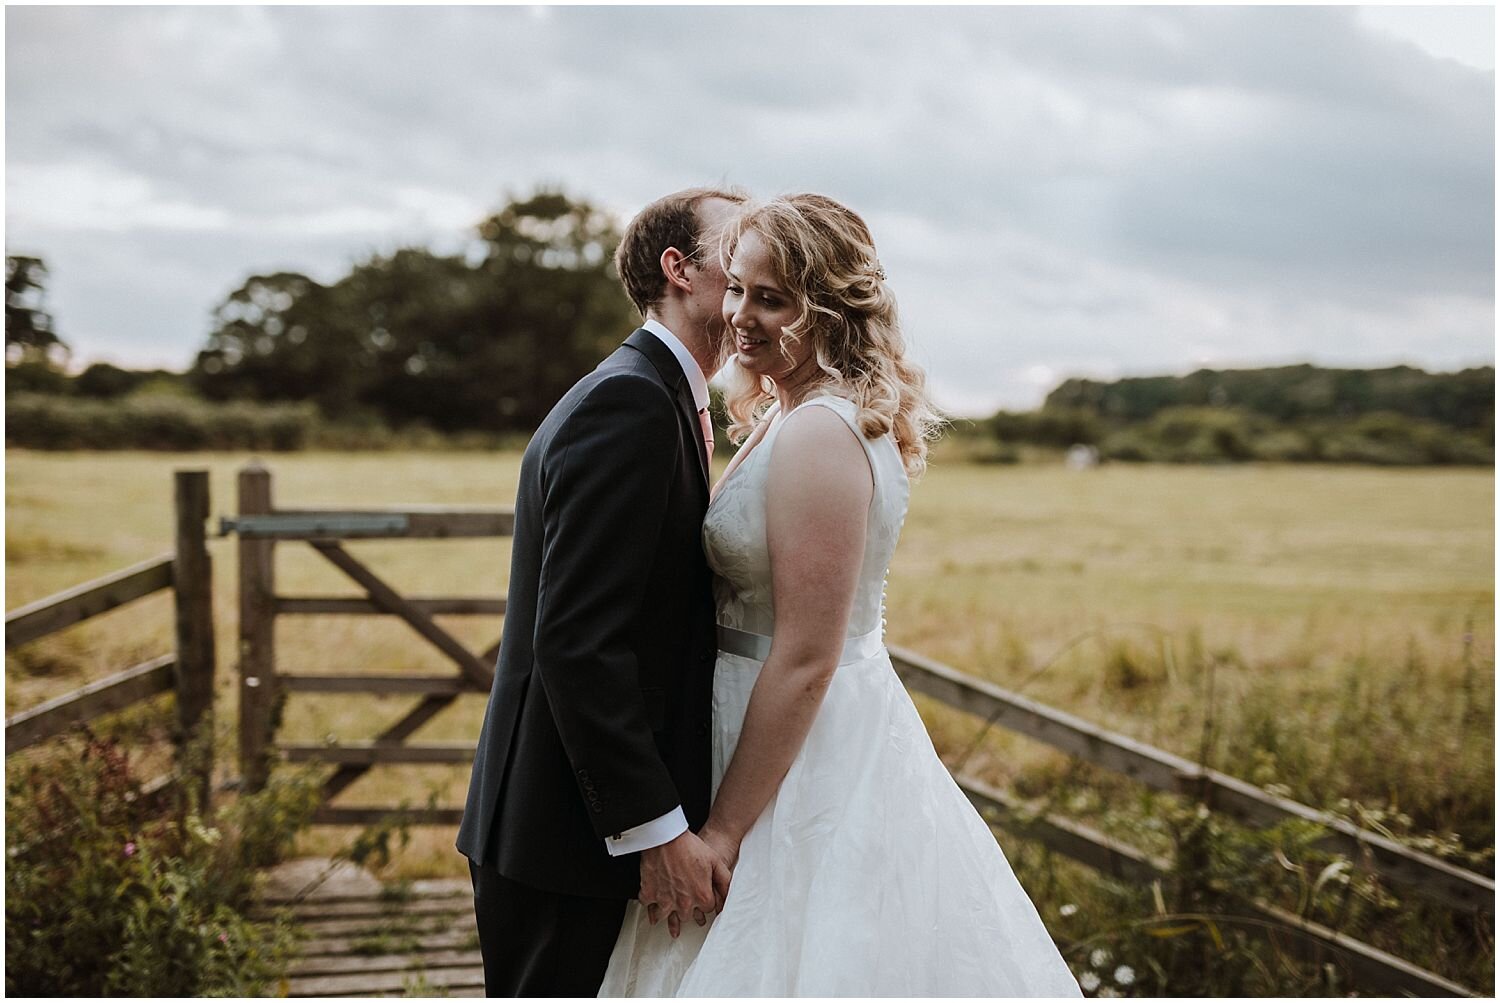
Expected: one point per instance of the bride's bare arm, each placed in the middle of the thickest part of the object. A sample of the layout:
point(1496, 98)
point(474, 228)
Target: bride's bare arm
point(818, 492)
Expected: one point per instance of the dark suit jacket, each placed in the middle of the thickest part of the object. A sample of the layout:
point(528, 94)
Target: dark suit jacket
point(598, 719)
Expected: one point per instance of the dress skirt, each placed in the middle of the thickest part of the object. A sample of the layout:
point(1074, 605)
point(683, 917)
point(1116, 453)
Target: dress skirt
point(868, 874)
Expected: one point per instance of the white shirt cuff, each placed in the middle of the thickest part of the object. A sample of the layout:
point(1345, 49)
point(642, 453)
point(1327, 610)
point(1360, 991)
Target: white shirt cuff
point(653, 833)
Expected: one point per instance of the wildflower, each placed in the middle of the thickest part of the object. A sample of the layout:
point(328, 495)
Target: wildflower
point(224, 939)
point(1099, 957)
point(1125, 975)
point(1089, 981)
point(129, 849)
point(206, 833)
point(1067, 910)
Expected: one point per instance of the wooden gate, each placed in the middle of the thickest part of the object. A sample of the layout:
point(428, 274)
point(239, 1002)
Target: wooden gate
point(259, 526)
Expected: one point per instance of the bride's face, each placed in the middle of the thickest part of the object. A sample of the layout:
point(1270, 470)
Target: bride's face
point(757, 307)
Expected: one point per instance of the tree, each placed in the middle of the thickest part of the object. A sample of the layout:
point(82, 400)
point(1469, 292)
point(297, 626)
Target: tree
point(553, 305)
point(281, 336)
point(106, 381)
point(488, 341)
point(28, 328)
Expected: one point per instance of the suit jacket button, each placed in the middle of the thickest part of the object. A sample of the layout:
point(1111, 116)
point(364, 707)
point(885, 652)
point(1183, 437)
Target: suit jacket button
point(598, 809)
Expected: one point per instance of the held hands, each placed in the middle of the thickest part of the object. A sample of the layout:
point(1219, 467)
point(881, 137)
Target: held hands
point(684, 877)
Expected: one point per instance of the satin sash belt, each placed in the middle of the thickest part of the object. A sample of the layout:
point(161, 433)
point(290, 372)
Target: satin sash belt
point(758, 646)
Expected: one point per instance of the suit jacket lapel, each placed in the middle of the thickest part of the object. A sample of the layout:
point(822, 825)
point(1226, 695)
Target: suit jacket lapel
point(671, 373)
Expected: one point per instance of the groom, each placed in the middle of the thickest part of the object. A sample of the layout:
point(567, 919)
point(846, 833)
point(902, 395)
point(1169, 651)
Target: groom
point(592, 770)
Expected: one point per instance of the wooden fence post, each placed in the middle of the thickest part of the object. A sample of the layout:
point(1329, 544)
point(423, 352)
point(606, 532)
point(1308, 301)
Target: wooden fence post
point(257, 633)
point(193, 598)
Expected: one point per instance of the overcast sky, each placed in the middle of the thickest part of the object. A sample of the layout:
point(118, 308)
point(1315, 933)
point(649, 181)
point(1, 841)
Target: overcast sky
point(1054, 191)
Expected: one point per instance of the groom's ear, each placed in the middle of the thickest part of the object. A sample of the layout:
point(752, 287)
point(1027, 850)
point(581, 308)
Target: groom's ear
point(674, 266)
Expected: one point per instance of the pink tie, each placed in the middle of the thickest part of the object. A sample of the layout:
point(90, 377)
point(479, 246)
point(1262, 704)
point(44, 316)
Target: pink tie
point(708, 432)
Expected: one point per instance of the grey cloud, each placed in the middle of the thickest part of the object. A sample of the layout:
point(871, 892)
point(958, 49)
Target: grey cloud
point(1078, 174)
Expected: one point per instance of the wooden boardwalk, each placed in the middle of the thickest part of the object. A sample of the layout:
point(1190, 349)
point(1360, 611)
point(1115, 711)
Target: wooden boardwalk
point(358, 938)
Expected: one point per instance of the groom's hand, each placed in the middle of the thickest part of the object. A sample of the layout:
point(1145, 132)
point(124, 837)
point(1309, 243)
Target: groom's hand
point(679, 877)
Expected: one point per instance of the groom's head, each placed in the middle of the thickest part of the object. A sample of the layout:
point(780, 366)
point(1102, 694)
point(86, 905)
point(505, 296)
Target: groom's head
point(667, 255)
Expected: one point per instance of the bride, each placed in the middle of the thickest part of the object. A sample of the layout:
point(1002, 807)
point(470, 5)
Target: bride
point(859, 867)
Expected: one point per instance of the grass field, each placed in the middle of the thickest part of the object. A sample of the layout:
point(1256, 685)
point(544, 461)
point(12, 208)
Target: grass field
point(1342, 618)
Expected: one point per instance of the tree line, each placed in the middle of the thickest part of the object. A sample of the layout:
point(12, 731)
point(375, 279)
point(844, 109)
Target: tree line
point(415, 347)
point(1394, 416)
point(1463, 400)
point(483, 341)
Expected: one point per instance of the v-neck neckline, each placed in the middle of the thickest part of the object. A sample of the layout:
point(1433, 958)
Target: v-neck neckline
point(743, 456)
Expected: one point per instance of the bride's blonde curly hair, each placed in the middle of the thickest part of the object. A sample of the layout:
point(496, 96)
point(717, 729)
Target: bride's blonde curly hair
point(825, 258)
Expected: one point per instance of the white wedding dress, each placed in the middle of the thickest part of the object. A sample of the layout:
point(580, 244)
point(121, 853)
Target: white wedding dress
point(869, 873)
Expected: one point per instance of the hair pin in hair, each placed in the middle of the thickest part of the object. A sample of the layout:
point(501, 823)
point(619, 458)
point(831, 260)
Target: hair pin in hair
point(874, 269)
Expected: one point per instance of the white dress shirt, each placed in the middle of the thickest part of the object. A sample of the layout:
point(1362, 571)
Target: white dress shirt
point(685, 359)
point(674, 823)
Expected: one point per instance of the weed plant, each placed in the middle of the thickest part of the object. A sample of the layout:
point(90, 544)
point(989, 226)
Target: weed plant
point(109, 892)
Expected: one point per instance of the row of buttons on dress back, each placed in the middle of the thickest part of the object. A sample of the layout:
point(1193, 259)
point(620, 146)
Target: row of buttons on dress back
point(885, 584)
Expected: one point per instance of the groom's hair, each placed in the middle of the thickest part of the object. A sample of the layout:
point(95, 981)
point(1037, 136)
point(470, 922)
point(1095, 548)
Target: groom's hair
point(670, 221)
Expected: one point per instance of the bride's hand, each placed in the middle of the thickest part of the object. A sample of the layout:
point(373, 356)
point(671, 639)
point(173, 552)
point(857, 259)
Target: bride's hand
point(728, 849)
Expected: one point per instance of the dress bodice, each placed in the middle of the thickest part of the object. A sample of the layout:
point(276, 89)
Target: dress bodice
point(734, 530)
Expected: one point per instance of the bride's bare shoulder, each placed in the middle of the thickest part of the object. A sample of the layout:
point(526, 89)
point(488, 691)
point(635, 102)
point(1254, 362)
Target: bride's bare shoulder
point(818, 451)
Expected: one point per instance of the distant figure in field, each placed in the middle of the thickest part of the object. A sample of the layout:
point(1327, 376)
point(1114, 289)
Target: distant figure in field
point(1081, 457)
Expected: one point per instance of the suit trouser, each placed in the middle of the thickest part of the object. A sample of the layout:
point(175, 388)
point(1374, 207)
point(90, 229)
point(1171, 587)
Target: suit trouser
point(540, 943)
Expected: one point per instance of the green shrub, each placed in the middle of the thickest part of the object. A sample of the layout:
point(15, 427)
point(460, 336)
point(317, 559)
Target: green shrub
point(1130, 445)
point(1286, 445)
point(1202, 435)
point(1193, 929)
point(153, 421)
point(1059, 427)
point(1225, 435)
point(160, 417)
point(106, 894)
point(36, 376)
point(1391, 439)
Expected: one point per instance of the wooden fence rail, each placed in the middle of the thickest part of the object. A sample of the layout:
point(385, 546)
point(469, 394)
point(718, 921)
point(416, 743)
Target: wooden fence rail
point(1305, 939)
point(1161, 770)
point(48, 616)
point(98, 698)
point(189, 671)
